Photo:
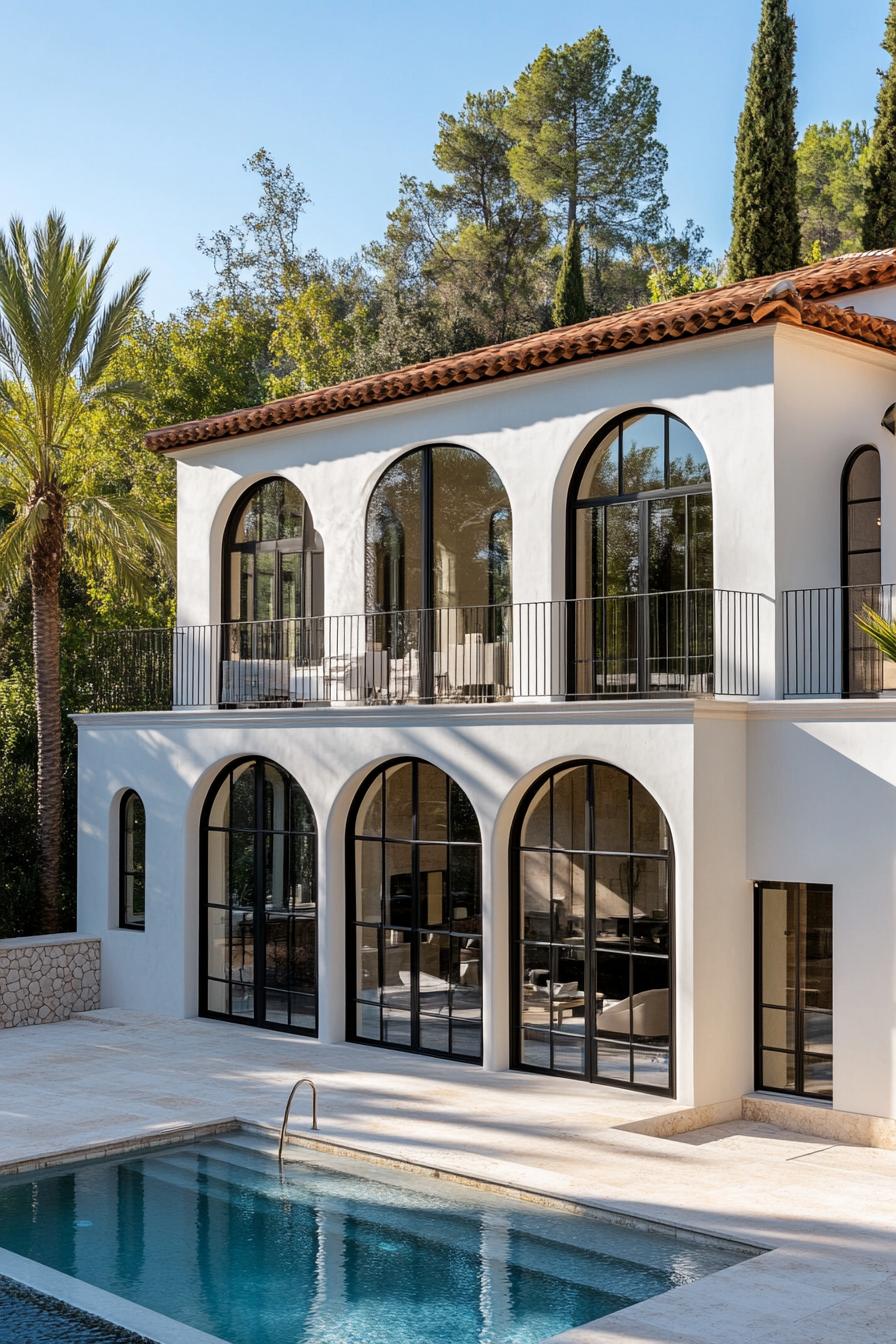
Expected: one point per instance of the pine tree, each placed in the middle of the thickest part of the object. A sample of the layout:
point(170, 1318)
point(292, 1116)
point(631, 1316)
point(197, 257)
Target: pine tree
point(879, 225)
point(765, 221)
point(569, 295)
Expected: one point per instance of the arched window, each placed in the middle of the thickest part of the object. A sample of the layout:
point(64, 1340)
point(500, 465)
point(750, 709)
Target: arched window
point(592, 872)
point(132, 862)
point(640, 559)
point(439, 551)
point(415, 913)
point(259, 900)
point(273, 568)
point(860, 509)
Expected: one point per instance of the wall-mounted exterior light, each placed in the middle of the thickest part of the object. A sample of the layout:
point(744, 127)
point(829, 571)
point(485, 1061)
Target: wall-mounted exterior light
point(889, 420)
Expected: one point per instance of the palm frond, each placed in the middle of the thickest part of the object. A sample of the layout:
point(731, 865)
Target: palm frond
point(17, 540)
point(110, 331)
point(879, 630)
point(89, 306)
point(116, 534)
point(16, 287)
point(120, 387)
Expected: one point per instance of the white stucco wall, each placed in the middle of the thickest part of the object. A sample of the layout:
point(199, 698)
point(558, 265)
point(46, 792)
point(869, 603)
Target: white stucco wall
point(822, 808)
point(830, 395)
point(492, 752)
point(532, 430)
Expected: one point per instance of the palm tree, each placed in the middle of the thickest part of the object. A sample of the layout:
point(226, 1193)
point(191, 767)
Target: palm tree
point(57, 341)
point(879, 630)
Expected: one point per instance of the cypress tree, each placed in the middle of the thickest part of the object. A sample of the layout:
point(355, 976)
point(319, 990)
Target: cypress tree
point(569, 293)
point(764, 217)
point(879, 224)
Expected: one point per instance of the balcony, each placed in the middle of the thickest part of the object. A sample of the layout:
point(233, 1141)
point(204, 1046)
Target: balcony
point(688, 643)
point(825, 654)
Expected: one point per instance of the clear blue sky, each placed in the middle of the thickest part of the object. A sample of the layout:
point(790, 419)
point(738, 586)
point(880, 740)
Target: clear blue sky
point(134, 116)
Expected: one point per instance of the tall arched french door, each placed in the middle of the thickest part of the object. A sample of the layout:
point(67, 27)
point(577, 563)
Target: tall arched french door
point(414, 913)
point(438, 574)
point(592, 929)
point(640, 560)
point(272, 588)
point(258, 892)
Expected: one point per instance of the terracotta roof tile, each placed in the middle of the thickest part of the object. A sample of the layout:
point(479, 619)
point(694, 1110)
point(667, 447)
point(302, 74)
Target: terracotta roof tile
point(793, 296)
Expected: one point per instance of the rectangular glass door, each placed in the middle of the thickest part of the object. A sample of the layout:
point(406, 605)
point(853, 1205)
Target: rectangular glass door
point(794, 989)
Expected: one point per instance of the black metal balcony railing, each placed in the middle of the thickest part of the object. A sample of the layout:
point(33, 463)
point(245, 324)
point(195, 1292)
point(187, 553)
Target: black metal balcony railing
point(824, 651)
point(692, 643)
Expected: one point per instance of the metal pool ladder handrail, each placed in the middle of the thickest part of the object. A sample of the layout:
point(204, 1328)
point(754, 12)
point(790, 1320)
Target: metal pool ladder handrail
point(295, 1089)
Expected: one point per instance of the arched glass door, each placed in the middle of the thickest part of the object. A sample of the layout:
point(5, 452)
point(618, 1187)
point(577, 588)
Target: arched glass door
point(272, 584)
point(438, 574)
point(863, 664)
point(641, 565)
point(592, 929)
point(415, 913)
point(258, 933)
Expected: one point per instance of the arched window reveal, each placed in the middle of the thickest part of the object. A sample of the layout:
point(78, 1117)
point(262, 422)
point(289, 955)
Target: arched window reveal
point(641, 564)
point(592, 878)
point(259, 900)
point(415, 914)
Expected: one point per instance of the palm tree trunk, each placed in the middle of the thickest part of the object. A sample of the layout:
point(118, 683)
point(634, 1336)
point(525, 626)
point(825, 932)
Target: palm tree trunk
point(44, 572)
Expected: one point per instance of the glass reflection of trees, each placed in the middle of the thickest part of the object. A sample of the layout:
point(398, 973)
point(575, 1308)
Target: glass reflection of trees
point(439, 536)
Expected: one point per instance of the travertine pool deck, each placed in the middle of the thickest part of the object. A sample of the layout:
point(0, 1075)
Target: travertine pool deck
point(827, 1212)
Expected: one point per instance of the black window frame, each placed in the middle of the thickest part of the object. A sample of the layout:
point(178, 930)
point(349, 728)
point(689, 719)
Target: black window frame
point(517, 942)
point(259, 944)
point(799, 1010)
point(353, 922)
point(129, 799)
point(700, 615)
point(312, 557)
point(860, 661)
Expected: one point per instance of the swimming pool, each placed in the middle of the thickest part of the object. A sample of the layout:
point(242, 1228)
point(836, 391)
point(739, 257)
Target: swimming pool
point(334, 1250)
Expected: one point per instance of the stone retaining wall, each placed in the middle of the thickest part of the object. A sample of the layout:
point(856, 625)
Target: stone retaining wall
point(48, 979)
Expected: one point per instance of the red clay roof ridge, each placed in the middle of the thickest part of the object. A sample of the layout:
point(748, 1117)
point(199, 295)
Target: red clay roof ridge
point(791, 296)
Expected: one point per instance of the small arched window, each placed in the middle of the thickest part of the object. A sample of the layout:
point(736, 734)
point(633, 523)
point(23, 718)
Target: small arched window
point(132, 862)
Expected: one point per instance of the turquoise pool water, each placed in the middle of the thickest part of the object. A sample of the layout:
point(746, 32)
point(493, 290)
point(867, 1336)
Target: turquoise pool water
point(333, 1251)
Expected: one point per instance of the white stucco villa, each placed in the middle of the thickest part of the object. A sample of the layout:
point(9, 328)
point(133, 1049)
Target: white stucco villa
point(516, 711)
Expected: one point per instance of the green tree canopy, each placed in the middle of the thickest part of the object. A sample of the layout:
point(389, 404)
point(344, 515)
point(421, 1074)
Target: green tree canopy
point(585, 141)
point(831, 164)
point(879, 224)
point(765, 221)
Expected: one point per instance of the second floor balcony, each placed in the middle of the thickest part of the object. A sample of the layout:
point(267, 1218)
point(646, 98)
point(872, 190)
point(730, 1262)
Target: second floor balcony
point(688, 643)
point(825, 652)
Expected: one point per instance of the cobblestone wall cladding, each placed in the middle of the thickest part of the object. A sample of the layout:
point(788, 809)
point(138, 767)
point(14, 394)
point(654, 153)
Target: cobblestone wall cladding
point(48, 979)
